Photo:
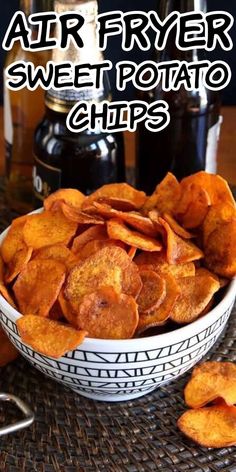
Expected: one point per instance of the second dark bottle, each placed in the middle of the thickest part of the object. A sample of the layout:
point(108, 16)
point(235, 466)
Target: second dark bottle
point(65, 159)
point(189, 143)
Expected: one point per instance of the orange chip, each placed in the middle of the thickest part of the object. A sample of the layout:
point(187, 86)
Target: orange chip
point(17, 263)
point(67, 309)
point(157, 261)
point(216, 187)
point(178, 249)
point(13, 241)
point(95, 232)
point(160, 315)
point(8, 352)
point(132, 218)
point(91, 247)
point(210, 381)
point(38, 285)
point(214, 426)
point(118, 204)
point(165, 195)
point(106, 314)
point(193, 206)
point(153, 291)
point(107, 267)
point(58, 252)
point(176, 227)
point(132, 252)
point(220, 250)
point(196, 293)
point(217, 215)
point(117, 230)
point(132, 283)
point(79, 216)
point(115, 193)
point(48, 228)
point(70, 196)
point(49, 337)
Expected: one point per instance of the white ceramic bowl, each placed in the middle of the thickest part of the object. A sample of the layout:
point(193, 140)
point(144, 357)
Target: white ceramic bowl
point(114, 370)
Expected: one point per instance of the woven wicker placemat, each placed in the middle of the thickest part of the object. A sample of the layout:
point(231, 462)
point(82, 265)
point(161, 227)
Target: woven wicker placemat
point(74, 434)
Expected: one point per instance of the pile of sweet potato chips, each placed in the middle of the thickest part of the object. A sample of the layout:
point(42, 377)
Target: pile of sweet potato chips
point(211, 395)
point(117, 264)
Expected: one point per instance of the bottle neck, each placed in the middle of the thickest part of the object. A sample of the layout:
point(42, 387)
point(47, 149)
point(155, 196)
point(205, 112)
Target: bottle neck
point(36, 6)
point(171, 51)
point(63, 100)
point(182, 6)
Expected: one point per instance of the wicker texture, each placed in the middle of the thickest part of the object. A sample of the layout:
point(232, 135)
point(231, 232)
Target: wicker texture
point(74, 434)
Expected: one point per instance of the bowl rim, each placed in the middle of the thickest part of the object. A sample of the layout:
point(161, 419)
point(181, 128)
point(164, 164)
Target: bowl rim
point(183, 332)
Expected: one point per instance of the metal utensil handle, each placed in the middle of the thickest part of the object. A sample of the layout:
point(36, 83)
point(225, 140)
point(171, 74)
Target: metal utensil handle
point(25, 422)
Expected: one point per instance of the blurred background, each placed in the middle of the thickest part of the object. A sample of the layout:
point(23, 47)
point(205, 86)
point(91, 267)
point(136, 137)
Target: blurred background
point(114, 52)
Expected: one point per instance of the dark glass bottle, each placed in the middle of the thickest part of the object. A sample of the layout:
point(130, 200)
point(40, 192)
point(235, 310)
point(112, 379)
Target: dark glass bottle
point(189, 143)
point(84, 160)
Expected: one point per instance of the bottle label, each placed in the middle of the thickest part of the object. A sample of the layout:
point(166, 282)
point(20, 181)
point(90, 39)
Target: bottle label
point(212, 145)
point(8, 128)
point(46, 179)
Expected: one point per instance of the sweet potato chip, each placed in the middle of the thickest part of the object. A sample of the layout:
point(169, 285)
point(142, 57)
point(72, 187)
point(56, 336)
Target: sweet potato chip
point(179, 250)
point(67, 309)
point(107, 267)
point(220, 250)
point(80, 217)
point(49, 337)
point(106, 314)
point(70, 196)
point(159, 316)
point(48, 228)
point(157, 261)
point(13, 241)
point(183, 233)
point(192, 208)
point(153, 291)
point(132, 218)
point(115, 193)
point(117, 230)
point(58, 252)
point(132, 283)
point(38, 285)
point(196, 293)
point(216, 187)
point(118, 204)
point(216, 216)
point(95, 245)
point(165, 196)
point(132, 252)
point(210, 381)
point(95, 232)
point(8, 352)
point(17, 263)
point(214, 426)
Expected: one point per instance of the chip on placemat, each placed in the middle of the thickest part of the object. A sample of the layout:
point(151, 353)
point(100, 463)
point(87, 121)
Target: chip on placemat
point(214, 426)
point(209, 381)
point(49, 337)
